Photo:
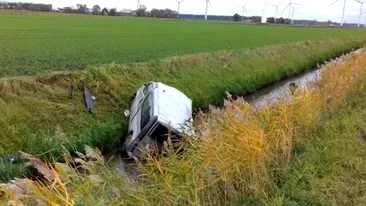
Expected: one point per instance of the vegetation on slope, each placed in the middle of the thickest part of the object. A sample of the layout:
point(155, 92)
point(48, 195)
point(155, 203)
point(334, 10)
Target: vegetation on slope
point(39, 116)
point(331, 169)
point(33, 43)
point(308, 149)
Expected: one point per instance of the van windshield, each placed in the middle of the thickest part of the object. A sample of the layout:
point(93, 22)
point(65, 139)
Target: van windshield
point(146, 111)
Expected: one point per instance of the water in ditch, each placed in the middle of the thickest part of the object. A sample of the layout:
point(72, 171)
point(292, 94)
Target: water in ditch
point(281, 89)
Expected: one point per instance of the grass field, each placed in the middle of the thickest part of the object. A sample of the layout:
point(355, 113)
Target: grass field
point(32, 43)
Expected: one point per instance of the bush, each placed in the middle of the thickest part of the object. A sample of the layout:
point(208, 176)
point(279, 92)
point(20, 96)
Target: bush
point(236, 17)
point(112, 12)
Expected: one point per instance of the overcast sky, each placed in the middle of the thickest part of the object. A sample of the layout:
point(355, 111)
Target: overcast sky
point(311, 9)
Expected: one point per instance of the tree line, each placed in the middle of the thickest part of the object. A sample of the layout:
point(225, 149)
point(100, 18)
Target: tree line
point(272, 20)
point(258, 19)
point(83, 9)
point(26, 6)
point(95, 10)
point(156, 13)
point(254, 19)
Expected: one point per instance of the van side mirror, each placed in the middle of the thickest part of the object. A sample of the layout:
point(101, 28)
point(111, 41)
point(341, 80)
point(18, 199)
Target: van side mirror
point(127, 113)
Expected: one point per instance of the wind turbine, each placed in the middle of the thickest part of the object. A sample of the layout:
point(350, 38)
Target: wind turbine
point(289, 6)
point(179, 2)
point(344, 9)
point(293, 12)
point(264, 19)
point(244, 10)
point(138, 4)
point(359, 18)
point(207, 3)
point(276, 11)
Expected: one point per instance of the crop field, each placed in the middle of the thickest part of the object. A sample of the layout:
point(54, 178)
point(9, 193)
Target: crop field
point(37, 43)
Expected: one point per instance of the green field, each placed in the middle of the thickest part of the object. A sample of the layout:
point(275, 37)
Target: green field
point(33, 43)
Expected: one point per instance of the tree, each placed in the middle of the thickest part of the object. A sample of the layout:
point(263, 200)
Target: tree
point(96, 10)
point(155, 13)
point(271, 20)
point(141, 12)
point(236, 17)
point(160, 13)
point(112, 12)
point(12, 5)
point(67, 9)
point(46, 7)
point(81, 8)
point(26, 6)
point(105, 11)
point(280, 21)
point(3, 5)
point(142, 6)
point(34, 7)
point(288, 21)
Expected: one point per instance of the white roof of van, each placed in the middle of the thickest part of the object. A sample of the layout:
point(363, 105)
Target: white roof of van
point(174, 107)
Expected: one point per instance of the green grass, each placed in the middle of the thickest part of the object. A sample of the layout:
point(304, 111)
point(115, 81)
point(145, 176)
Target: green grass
point(38, 115)
point(34, 43)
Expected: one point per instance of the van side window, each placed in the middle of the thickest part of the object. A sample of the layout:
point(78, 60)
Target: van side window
point(146, 111)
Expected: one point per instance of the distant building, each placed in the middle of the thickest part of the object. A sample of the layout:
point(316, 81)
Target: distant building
point(127, 12)
point(89, 11)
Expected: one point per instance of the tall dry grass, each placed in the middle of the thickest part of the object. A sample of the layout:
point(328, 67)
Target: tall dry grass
point(239, 151)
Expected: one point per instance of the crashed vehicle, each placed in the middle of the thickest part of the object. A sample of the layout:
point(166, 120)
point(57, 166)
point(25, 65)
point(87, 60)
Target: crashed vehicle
point(157, 111)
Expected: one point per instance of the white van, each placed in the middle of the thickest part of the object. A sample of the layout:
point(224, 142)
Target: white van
point(156, 110)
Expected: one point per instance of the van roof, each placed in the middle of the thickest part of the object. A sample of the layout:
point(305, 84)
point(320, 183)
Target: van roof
point(174, 107)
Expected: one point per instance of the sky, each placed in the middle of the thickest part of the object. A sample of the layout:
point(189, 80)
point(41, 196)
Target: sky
point(310, 9)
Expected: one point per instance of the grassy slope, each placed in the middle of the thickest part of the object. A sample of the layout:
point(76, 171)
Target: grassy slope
point(331, 170)
point(33, 43)
point(38, 114)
